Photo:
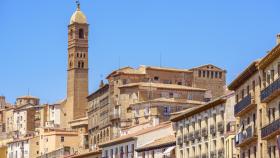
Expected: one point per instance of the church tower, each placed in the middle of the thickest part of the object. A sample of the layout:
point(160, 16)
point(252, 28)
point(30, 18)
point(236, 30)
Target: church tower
point(77, 80)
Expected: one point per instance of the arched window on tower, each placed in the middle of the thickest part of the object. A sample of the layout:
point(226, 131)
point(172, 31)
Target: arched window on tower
point(79, 64)
point(81, 33)
point(82, 64)
point(71, 34)
point(70, 64)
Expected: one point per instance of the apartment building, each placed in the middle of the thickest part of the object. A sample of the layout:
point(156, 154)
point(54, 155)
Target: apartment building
point(51, 139)
point(124, 146)
point(110, 107)
point(200, 131)
point(99, 115)
point(24, 147)
point(248, 111)
point(162, 147)
point(269, 70)
point(159, 110)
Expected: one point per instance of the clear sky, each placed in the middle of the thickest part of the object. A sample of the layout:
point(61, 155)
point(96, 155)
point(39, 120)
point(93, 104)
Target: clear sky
point(33, 38)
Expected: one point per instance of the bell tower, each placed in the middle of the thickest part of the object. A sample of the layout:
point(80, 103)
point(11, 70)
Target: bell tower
point(77, 80)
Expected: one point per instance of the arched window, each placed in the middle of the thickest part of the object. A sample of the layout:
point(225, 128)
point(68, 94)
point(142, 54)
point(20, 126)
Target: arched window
point(71, 34)
point(108, 132)
point(81, 55)
point(81, 33)
point(77, 54)
point(70, 64)
point(82, 65)
point(84, 55)
point(79, 64)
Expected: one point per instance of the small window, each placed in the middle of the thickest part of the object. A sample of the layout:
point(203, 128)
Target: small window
point(81, 33)
point(156, 78)
point(62, 139)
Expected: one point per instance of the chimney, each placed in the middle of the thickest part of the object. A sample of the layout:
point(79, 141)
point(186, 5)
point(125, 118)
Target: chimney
point(277, 38)
point(101, 84)
point(2, 101)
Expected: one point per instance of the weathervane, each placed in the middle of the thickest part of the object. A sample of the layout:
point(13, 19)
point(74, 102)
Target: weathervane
point(78, 4)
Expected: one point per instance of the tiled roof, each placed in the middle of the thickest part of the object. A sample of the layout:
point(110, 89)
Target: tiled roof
point(241, 78)
point(161, 85)
point(164, 68)
point(133, 136)
point(170, 101)
point(27, 97)
point(195, 110)
point(159, 143)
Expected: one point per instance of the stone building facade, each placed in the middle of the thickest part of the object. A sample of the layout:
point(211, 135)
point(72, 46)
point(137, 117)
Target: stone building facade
point(257, 106)
point(201, 131)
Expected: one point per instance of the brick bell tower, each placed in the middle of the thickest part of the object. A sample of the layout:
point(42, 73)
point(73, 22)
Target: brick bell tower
point(77, 80)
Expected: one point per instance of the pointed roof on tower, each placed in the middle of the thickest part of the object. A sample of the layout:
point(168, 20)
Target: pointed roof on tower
point(78, 16)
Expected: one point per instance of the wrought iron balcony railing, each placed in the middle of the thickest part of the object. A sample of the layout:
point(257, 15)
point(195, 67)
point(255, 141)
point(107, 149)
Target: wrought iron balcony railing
point(246, 136)
point(204, 132)
point(213, 129)
point(221, 127)
point(244, 104)
point(271, 91)
point(271, 129)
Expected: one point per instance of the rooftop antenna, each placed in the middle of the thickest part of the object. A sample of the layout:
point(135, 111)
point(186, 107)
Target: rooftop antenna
point(119, 62)
point(160, 60)
point(28, 92)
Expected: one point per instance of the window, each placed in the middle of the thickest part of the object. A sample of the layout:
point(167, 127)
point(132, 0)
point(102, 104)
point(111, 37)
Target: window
point(220, 74)
point(279, 109)
point(254, 86)
point(254, 119)
point(156, 78)
point(199, 73)
point(203, 72)
point(248, 90)
point(242, 93)
point(260, 111)
point(62, 139)
point(171, 95)
point(81, 33)
point(212, 74)
point(278, 70)
point(208, 73)
point(216, 74)
point(272, 75)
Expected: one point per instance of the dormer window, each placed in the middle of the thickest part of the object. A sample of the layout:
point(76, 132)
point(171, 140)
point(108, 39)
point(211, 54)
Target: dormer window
point(81, 33)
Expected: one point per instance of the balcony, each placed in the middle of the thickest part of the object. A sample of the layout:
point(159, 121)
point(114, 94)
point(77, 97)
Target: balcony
point(244, 105)
point(213, 154)
point(246, 136)
point(221, 153)
point(212, 129)
point(204, 156)
point(221, 127)
point(191, 137)
point(204, 132)
point(271, 130)
point(180, 141)
point(114, 116)
point(197, 134)
point(270, 92)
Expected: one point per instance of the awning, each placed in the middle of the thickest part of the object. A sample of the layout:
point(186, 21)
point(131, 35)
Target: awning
point(168, 150)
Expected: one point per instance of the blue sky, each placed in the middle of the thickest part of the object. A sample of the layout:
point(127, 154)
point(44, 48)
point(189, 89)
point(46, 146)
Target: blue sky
point(33, 43)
